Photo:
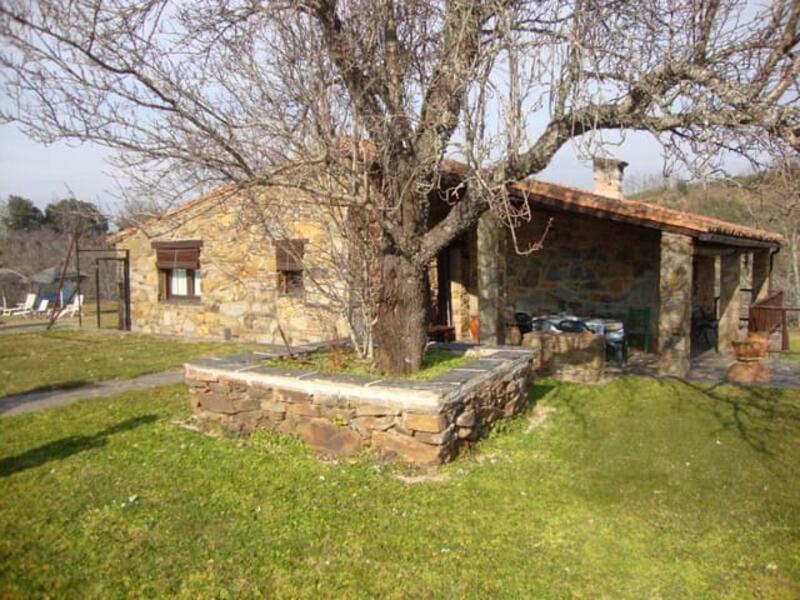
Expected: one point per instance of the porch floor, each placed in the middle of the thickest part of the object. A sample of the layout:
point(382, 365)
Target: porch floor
point(711, 368)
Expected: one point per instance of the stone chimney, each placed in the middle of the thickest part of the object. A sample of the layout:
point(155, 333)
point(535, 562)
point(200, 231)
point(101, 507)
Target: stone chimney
point(608, 176)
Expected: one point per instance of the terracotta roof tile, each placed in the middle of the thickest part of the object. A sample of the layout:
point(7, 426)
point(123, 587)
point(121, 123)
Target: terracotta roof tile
point(574, 199)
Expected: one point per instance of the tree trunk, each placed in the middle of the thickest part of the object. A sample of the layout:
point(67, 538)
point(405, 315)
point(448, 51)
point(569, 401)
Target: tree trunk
point(402, 316)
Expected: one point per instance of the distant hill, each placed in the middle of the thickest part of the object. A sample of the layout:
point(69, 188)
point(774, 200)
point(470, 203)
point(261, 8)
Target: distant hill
point(764, 201)
point(728, 200)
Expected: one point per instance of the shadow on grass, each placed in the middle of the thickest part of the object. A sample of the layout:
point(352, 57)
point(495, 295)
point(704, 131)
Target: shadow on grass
point(760, 416)
point(66, 447)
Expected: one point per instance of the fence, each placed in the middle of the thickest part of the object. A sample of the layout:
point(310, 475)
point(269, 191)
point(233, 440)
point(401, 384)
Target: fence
point(770, 315)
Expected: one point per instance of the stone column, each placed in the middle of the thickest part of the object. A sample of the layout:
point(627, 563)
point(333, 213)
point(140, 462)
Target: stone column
point(490, 261)
point(704, 283)
point(458, 293)
point(675, 304)
point(761, 275)
point(730, 302)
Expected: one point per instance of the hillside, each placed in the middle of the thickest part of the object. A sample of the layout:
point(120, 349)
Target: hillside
point(736, 200)
point(763, 201)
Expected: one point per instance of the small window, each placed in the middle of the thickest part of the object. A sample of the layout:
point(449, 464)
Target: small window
point(178, 266)
point(181, 284)
point(289, 255)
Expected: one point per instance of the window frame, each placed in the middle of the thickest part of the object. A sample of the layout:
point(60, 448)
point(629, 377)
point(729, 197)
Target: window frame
point(290, 267)
point(192, 269)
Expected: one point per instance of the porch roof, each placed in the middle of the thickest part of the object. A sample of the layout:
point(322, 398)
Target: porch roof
point(565, 198)
point(700, 227)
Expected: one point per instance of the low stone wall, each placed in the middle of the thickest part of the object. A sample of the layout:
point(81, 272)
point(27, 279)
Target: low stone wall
point(425, 423)
point(579, 357)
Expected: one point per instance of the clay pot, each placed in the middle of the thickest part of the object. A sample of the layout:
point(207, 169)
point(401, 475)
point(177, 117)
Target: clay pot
point(761, 340)
point(748, 350)
point(475, 328)
point(748, 372)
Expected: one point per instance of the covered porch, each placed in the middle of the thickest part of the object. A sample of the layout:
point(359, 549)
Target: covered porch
point(679, 281)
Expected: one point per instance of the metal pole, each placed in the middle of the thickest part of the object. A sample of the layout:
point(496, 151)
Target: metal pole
point(78, 278)
point(127, 279)
point(784, 332)
point(97, 287)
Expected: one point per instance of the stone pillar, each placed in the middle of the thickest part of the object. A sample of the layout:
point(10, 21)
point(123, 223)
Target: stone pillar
point(704, 283)
point(459, 296)
point(761, 275)
point(730, 302)
point(675, 304)
point(490, 279)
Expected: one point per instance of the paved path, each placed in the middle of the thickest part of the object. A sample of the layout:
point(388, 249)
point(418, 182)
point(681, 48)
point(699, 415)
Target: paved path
point(26, 403)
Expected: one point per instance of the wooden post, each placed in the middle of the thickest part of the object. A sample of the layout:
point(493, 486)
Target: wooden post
point(54, 312)
point(78, 279)
point(97, 288)
point(784, 332)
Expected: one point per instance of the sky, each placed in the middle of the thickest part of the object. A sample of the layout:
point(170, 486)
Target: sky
point(47, 173)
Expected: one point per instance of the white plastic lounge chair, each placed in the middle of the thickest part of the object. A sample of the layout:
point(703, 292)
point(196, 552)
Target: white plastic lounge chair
point(24, 308)
point(72, 308)
point(4, 309)
point(41, 311)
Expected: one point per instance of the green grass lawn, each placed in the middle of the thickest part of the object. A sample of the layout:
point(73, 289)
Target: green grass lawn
point(435, 362)
point(108, 317)
point(636, 489)
point(63, 359)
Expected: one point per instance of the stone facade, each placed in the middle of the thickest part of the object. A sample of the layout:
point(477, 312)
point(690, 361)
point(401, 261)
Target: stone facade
point(587, 266)
point(240, 292)
point(579, 357)
point(424, 423)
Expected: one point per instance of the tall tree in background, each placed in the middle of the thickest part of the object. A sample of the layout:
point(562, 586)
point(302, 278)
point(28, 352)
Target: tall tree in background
point(20, 214)
point(71, 216)
point(229, 91)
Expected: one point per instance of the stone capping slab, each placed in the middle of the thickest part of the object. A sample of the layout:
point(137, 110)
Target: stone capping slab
point(431, 395)
point(397, 397)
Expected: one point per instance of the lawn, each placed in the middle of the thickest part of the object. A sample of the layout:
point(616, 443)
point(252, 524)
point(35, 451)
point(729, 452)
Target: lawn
point(108, 317)
point(66, 358)
point(636, 489)
point(435, 362)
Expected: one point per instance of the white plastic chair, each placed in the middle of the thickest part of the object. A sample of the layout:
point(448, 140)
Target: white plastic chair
point(72, 309)
point(24, 308)
point(41, 311)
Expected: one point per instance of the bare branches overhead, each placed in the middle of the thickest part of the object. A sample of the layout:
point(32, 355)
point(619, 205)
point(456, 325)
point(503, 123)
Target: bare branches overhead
point(193, 95)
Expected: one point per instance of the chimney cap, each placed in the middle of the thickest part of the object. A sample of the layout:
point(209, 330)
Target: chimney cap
point(608, 163)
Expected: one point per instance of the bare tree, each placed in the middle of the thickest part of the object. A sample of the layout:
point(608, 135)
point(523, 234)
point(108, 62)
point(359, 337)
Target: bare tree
point(776, 206)
point(230, 91)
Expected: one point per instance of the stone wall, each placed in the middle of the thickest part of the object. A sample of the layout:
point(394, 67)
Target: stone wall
point(424, 423)
point(579, 357)
point(588, 266)
point(240, 294)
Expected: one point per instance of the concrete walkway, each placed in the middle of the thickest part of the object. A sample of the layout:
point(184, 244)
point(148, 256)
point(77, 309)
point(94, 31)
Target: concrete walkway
point(26, 403)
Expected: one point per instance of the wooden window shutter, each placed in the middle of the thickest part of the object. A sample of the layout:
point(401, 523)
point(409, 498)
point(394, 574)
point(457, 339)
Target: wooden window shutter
point(178, 254)
point(289, 254)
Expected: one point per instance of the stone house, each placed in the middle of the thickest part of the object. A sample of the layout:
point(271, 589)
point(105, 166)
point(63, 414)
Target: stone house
point(207, 270)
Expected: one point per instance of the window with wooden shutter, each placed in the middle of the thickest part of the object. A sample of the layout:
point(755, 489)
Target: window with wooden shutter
point(178, 264)
point(289, 255)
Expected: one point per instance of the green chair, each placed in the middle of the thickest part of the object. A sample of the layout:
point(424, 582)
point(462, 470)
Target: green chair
point(637, 328)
